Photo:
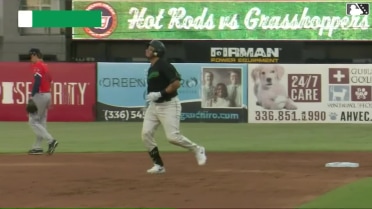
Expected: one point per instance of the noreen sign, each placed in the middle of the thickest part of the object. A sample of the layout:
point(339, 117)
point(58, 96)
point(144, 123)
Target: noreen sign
point(229, 20)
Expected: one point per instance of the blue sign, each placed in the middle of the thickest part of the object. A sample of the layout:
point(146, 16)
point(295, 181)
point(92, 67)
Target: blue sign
point(122, 84)
point(121, 90)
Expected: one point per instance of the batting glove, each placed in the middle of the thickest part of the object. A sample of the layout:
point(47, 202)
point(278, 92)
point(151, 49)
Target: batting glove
point(153, 96)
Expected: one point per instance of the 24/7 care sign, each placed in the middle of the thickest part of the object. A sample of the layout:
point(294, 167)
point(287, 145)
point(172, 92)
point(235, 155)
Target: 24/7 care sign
point(309, 93)
point(227, 20)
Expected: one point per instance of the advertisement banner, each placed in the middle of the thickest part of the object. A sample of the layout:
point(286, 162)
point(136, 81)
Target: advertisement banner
point(244, 51)
point(227, 20)
point(310, 93)
point(73, 91)
point(206, 93)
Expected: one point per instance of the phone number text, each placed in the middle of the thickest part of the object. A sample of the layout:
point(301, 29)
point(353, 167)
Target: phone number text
point(123, 114)
point(290, 116)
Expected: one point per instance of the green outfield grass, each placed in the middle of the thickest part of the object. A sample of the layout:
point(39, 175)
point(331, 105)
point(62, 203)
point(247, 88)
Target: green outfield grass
point(353, 195)
point(121, 136)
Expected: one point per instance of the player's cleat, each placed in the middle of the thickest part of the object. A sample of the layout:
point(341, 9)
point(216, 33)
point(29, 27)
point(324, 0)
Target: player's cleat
point(156, 169)
point(52, 147)
point(200, 155)
point(35, 152)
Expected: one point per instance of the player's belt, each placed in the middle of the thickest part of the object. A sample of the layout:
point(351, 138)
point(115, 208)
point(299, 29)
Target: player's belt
point(161, 100)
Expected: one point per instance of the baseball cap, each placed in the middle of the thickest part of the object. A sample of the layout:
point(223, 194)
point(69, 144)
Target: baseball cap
point(34, 51)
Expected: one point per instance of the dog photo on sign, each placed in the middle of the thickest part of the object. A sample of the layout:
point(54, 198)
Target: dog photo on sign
point(271, 94)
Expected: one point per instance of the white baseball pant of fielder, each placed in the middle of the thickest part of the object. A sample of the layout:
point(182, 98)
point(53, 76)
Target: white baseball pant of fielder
point(38, 120)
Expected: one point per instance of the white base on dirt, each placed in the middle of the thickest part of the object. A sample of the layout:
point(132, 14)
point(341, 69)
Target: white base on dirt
point(342, 165)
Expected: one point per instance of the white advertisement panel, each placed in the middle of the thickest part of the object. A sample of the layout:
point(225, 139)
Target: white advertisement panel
point(309, 93)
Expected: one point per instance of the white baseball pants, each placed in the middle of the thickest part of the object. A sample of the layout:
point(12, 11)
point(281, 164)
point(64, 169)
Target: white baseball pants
point(168, 114)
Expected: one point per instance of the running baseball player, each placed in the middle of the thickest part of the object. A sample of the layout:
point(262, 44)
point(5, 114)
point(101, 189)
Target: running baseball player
point(39, 104)
point(164, 108)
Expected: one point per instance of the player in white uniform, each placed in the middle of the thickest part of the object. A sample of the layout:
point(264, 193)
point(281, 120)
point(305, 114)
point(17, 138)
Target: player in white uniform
point(164, 108)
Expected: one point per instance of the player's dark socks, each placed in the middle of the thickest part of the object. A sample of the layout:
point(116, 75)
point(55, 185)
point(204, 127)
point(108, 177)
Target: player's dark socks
point(155, 156)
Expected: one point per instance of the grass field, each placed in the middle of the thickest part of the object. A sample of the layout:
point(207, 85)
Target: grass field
point(119, 137)
point(17, 137)
point(353, 195)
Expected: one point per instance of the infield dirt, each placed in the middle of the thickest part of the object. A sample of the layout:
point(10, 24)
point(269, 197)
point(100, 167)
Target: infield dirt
point(229, 180)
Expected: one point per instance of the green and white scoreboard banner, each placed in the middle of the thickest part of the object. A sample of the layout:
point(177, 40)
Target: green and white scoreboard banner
point(227, 20)
point(59, 18)
point(315, 93)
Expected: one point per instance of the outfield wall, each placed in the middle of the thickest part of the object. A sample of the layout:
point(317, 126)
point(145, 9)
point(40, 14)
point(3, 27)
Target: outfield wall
point(268, 93)
point(318, 93)
point(74, 91)
point(122, 89)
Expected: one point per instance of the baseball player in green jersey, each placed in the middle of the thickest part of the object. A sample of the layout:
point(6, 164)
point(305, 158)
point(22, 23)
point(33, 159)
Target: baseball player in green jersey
point(164, 108)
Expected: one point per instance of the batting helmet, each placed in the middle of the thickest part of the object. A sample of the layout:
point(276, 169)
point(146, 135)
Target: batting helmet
point(159, 48)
